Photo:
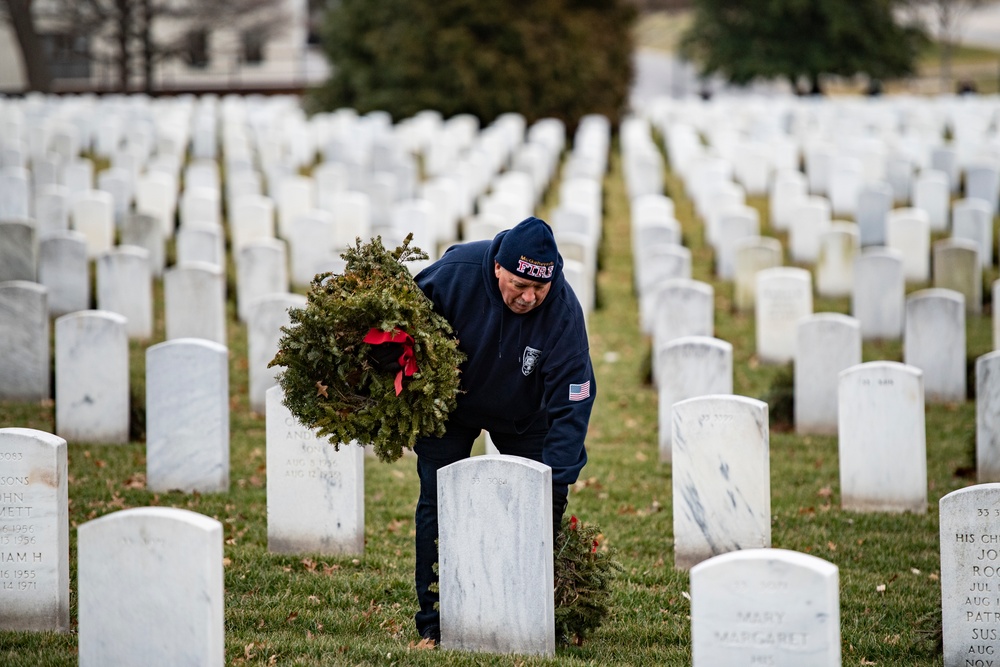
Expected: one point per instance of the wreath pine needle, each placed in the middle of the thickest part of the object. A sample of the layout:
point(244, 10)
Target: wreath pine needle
point(329, 382)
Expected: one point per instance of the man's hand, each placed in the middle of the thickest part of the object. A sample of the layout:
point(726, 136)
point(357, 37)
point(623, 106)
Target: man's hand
point(385, 357)
point(560, 499)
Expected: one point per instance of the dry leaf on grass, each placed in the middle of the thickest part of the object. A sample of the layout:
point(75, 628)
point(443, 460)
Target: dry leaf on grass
point(424, 645)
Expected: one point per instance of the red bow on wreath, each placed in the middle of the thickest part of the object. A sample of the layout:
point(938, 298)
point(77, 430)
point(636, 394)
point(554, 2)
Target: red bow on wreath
point(407, 360)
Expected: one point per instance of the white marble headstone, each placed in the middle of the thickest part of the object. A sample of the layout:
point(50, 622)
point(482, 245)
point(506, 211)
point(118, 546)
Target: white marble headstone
point(753, 254)
point(62, 269)
point(51, 210)
point(295, 195)
point(351, 218)
point(882, 441)
point(495, 556)
point(788, 189)
point(200, 206)
point(201, 243)
point(879, 295)
point(899, 173)
point(982, 181)
point(970, 563)
point(194, 300)
point(995, 291)
point(818, 156)
point(310, 236)
point(148, 563)
point(945, 163)
point(252, 219)
point(119, 184)
point(187, 416)
point(908, 230)
point(846, 180)
point(146, 231)
point(932, 193)
point(304, 470)
point(125, 286)
point(784, 296)
point(15, 186)
point(721, 477)
point(838, 249)
point(267, 315)
point(665, 262)
point(34, 531)
point(92, 381)
point(77, 175)
point(92, 214)
point(988, 417)
point(261, 269)
point(24, 341)
point(957, 267)
point(934, 342)
point(683, 307)
point(874, 203)
point(826, 344)
point(18, 251)
point(734, 226)
point(765, 607)
point(156, 197)
point(973, 220)
point(687, 367)
point(808, 221)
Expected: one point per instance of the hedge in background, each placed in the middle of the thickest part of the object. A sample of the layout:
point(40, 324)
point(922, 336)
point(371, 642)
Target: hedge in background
point(542, 58)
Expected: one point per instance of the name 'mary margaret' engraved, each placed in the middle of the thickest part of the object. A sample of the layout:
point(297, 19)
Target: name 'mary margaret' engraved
point(759, 638)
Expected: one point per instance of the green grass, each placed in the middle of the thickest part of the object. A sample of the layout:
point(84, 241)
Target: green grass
point(961, 54)
point(321, 610)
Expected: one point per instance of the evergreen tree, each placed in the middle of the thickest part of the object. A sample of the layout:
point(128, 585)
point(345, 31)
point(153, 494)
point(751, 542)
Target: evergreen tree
point(542, 58)
point(801, 40)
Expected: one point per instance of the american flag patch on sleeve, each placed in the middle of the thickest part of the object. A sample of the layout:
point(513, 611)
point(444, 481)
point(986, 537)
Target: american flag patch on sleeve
point(578, 392)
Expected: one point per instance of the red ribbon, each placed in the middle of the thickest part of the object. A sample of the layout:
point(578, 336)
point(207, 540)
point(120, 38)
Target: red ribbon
point(407, 359)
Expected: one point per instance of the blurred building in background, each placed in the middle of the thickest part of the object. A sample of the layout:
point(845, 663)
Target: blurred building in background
point(191, 46)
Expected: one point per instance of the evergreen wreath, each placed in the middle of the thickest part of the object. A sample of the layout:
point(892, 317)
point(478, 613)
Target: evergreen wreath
point(329, 380)
point(583, 573)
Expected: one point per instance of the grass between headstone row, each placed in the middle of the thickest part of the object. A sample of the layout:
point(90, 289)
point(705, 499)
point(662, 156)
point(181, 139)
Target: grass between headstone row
point(312, 610)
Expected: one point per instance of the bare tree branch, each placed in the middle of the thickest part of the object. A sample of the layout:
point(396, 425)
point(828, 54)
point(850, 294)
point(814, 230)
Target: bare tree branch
point(126, 28)
point(18, 13)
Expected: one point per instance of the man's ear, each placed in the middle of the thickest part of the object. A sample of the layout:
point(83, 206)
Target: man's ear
point(496, 268)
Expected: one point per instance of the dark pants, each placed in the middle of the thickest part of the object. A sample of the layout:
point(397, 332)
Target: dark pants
point(435, 453)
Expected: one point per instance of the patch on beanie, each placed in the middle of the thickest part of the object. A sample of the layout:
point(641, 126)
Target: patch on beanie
point(534, 268)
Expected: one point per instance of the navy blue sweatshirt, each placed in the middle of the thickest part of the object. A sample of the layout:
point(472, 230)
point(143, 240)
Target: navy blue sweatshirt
point(520, 367)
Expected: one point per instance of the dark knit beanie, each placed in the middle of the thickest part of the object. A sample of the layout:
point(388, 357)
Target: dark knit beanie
point(529, 250)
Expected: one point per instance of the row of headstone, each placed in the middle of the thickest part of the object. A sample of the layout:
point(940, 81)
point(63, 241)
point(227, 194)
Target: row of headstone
point(120, 552)
point(719, 446)
point(194, 302)
point(490, 507)
point(362, 156)
point(846, 150)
